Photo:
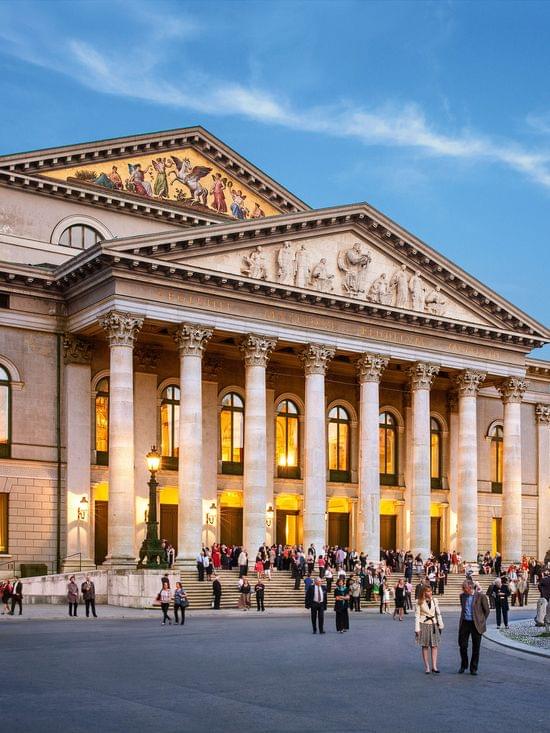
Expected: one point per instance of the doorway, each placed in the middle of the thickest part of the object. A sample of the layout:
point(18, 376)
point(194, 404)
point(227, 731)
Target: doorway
point(169, 524)
point(388, 531)
point(231, 525)
point(338, 529)
point(435, 535)
point(287, 527)
point(496, 535)
point(101, 531)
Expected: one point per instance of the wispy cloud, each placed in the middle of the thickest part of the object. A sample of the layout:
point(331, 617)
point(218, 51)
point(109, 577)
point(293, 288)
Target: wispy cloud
point(142, 78)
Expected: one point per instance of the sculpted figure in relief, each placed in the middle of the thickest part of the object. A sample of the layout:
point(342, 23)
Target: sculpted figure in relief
point(436, 302)
point(321, 279)
point(418, 293)
point(302, 268)
point(286, 259)
point(254, 265)
point(400, 284)
point(354, 262)
point(379, 291)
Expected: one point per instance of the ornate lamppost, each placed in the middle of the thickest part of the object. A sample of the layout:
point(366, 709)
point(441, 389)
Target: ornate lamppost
point(151, 547)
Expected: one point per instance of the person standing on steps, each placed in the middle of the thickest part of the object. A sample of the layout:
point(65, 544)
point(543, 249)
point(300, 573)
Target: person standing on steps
point(259, 590)
point(428, 625)
point(216, 592)
point(200, 566)
point(473, 617)
point(243, 563)
point(316, 601)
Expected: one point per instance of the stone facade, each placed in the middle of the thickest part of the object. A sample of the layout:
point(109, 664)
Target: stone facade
point(330, 309)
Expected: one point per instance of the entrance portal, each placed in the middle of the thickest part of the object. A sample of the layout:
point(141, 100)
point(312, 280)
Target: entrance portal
point(388, 531)
point(496, 535)
point(286, 529)
point(338, 529)
point(169, 524)
point(231, 525)
point(101, 531)
point(435, 534)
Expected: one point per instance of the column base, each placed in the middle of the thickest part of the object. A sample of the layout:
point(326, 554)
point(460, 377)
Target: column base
point(186, 563)
point(74, 565)
point(120, 562)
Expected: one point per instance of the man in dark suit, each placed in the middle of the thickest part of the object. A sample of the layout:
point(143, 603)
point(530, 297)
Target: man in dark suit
point(17, 597)
point(473, 616)
point(316, 601)
point(216, 592)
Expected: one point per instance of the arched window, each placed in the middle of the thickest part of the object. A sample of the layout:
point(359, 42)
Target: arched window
point(338, 444)
point(387, 442)
point(80, 236)
point(497, 442)
point(169, 426)
point(102, 422)
point(232, 433)
point(5, 413)
point(287, 440)
point(435, 453)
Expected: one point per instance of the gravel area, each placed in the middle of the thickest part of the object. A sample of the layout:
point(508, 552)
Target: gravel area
point(527, 633)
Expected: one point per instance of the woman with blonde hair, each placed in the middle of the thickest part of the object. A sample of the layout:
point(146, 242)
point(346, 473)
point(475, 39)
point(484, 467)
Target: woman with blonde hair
point(428, 626)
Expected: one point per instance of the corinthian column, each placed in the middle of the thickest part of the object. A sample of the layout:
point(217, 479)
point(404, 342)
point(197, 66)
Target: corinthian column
point(315, 358)
point(369, 370)
point(256, 350)
point(467, 384)
point(511, 392)
point(421, 378)
point(542, 413)
point(191, 340)
point(122, 330)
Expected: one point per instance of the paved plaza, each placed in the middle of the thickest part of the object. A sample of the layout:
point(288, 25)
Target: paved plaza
point(250, 673)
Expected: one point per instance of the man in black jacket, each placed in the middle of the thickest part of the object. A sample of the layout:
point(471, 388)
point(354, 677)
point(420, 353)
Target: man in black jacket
point(216, 592)
point(17, 597)
point(88, 594)
point(316, 601)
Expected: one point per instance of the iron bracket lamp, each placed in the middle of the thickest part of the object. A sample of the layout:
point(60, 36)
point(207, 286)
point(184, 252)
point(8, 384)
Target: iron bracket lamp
point(82, 512)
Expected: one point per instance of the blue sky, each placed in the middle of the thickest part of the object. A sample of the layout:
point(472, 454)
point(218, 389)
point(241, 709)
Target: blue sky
point(436, 113)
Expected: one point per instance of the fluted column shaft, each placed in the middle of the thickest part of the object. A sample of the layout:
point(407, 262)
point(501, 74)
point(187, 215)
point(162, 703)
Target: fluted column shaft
point(542, 413)
point(256, 350)
point(191, 340)
point(512, 391)
point(421, 378)
point(369, 368)
point(467, 383)
point(122, 330)
point(315, 358)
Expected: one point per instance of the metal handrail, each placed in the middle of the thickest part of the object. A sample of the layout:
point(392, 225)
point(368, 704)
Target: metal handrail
point(79, 559)
point(9, 562)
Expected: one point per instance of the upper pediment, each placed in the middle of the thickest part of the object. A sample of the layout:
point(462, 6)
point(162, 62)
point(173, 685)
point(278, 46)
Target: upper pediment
point(186, 167)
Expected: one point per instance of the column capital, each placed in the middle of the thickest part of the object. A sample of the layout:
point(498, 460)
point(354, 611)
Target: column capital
point(512, 389)
point(256, 349)
point(76, 350)
point(468, 382)
point(542, 413)
point(422, 374)
point(122, 328)
point(370, 367)
point(316, 357)
point(147, 356)
point(191, 338)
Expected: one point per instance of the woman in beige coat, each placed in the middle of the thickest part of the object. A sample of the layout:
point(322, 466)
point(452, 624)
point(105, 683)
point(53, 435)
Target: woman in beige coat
point(428, 626)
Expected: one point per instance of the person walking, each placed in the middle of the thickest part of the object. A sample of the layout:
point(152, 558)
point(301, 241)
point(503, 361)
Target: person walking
point(399, 599)
point(341, 600)
point(88, 595)
point(259, 591)
point(316, 601)
point(501, 596)
point(16, 597)
point(72, 596)
point(473, 616)
point(428, 625)
point(164, 597)
point(216, 592)
point(6, 589)
point(180, 603)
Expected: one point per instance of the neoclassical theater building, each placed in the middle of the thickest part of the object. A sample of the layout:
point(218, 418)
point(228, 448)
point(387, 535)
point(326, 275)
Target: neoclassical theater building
point(309, 376)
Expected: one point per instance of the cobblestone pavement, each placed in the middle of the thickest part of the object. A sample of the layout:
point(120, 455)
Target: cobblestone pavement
point(527, 633)
point(256, 673)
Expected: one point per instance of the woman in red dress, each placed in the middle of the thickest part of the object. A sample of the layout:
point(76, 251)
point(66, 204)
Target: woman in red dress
point(216, 556)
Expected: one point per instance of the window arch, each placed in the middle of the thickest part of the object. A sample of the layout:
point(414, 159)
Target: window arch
point(102, 421)
point(387, 445)
point(80, 236)
point(5, 413)
point(232, 433)
point(287, 439)
point(496, 435)
point(436, 453)
point(169, 426)
point(339, 428)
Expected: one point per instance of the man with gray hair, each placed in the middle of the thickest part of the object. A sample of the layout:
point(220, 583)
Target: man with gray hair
point(473, 616)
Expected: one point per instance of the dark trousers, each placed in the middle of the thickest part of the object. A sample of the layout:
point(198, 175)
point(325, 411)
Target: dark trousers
point(260, 602)
point(329, 585)
point(321, 572)
point(200, 570)
point(16, 602)
point(502, 614)
point(317, 616)
point(356, 601)
point(243, 570)
point(165, 616)
point(297, 581)
point(467, 629)
point(217, 600)
point(177, 610)
point(72, 609)
point(90, 604)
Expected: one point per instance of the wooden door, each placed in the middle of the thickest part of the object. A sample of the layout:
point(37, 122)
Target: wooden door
point(435, 534)
point(101, 531)
point(169, 524)
point(338, 529)
point(287, 527)
point(388, 531)
point(231, 526)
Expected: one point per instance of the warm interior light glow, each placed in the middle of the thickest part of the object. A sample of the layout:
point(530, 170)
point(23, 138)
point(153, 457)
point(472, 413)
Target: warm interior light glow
point(153, 460)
